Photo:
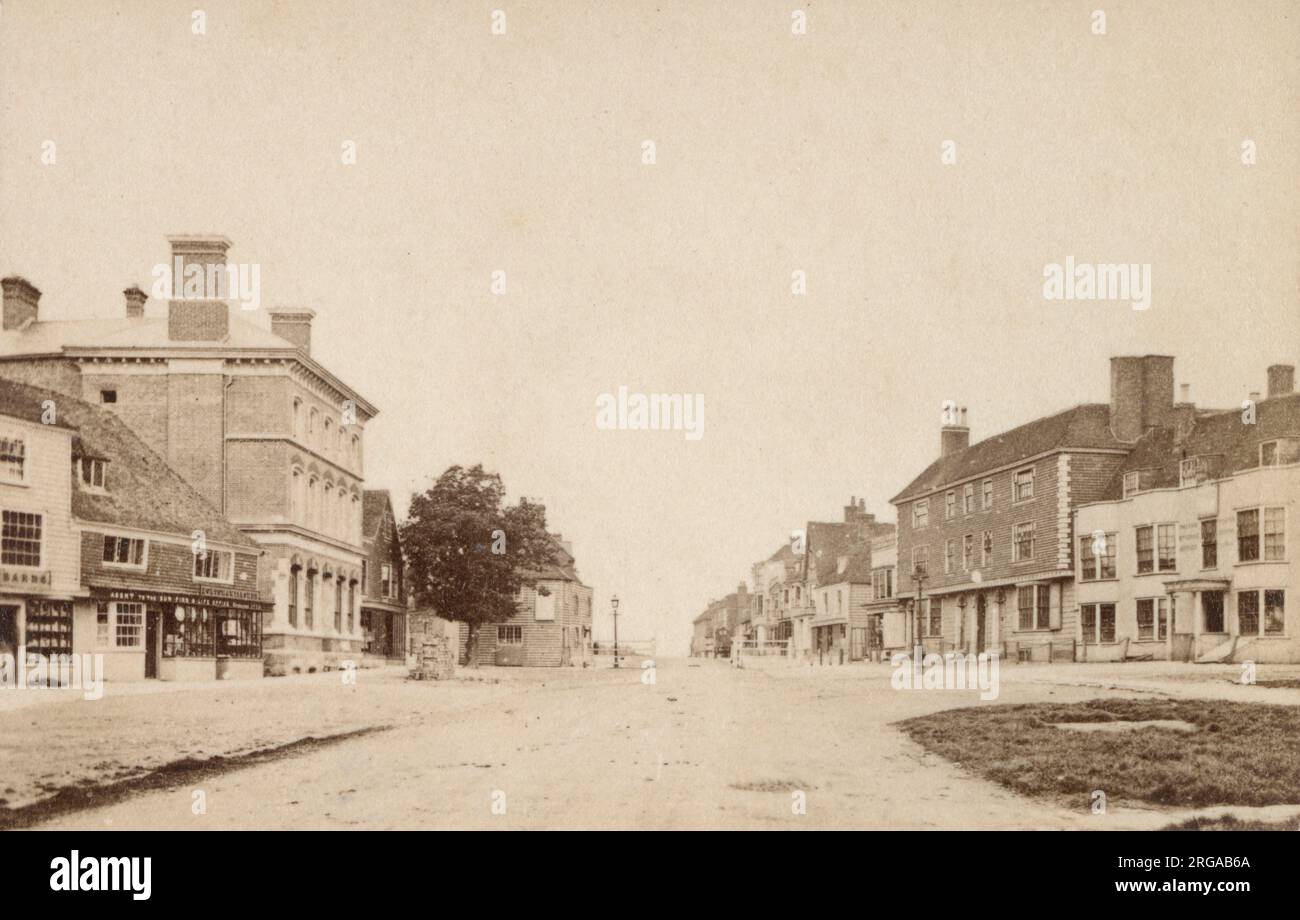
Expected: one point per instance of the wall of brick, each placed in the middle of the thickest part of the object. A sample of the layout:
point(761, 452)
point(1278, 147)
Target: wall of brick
point(257, 480)
point(142, 401)
point(1043, 510)
point(194, 439)
point(169, 567)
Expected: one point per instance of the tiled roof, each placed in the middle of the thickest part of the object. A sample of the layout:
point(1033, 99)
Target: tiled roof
point(142, 492)
point(1084, 426)
point(22, 402)
point(1222, 436)
point(374, 504)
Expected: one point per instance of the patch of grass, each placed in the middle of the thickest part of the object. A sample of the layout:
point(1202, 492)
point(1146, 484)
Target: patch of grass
point(1285, 684)
point(770, 785)
point(1232, 823)
point(1240, 754)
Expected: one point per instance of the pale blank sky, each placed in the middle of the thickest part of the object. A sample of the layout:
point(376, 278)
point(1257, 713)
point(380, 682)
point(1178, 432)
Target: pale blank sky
point(775, 152)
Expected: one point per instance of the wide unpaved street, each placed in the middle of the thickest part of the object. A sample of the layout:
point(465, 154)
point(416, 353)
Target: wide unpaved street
point(705, 745)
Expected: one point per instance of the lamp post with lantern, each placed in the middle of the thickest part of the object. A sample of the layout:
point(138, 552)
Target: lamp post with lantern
point(613, 603)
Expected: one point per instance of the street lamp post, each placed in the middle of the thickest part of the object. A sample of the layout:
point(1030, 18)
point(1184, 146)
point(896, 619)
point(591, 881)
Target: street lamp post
point(613, 602)
point(918, 576)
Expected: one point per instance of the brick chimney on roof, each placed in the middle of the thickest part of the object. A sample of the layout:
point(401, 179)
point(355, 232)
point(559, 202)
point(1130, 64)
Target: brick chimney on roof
point(294, 325)
point(955, 434)
point(135, 300)
point(1141, 395)
point(1281, 379)
point(198, 311)
point(856, 510)
point(21, 302)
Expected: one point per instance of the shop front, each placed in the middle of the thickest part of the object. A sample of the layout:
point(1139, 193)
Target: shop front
point(178, 636)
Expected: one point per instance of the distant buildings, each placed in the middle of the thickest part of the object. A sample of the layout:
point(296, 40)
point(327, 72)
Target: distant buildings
point(1138, 528)
point(720, 624)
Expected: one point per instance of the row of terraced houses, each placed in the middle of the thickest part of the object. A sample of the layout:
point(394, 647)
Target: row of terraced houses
point(182, 490)
point(1142, 528)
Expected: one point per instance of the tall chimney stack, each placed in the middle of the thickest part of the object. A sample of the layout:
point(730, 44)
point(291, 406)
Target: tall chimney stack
point(1281, 379)
point(294, 325)
point(21, 302)
point(1141, 395)
point(135, 299)
point(954, 437)
point(198, 311)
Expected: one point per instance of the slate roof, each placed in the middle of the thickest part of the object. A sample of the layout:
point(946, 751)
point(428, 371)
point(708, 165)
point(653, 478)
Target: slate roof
point(1083, 426)
point(52, 337)
point(142, 492)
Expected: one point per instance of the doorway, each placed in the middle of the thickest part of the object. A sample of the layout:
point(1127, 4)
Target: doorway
point(151, 620)
point(9, 630)
point(980, 634)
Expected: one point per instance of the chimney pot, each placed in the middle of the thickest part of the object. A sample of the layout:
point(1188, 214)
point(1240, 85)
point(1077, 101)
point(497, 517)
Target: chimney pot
point(1281, 379)
point(1184, 392)
point(135, 300)
point(21, 302)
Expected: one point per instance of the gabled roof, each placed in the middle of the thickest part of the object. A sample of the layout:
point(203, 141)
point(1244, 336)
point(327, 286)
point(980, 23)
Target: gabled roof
point(1085, 426)
point(375, 503)
point(784, 554)
point(142, 492)
point(1222, 435)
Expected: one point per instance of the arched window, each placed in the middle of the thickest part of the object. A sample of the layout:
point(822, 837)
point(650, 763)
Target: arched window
point(338, 604)
point(297, 418)
point(313, 504)
point(356, 453)
point(295, 496)
point(308, 617)
point(294, 574)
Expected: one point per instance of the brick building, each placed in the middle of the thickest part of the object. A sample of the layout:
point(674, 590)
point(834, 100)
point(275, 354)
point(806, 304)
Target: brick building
point(108, 551)
point(383, 583)
point(989, 526)
point(265, 433)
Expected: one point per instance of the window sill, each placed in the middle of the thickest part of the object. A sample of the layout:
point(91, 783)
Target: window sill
point(125, 566)
point(1263, 562)
point(213, 581)
point(1093, 581)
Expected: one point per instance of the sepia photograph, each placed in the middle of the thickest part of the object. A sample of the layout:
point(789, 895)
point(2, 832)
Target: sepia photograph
point(650, 415)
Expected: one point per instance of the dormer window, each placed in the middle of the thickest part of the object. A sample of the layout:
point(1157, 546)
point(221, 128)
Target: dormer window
point(108, 397)
point(1191, 471)
point(1280, 452)
point(1131, 483)
point(13, 457)
point(92, 473)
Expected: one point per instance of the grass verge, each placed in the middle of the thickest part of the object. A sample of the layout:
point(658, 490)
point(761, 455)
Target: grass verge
point(1239, 754)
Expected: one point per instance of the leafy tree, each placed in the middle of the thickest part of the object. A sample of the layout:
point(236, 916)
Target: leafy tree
point(468, 554)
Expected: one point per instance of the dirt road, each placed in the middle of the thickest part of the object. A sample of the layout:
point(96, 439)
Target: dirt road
point(704, 746)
